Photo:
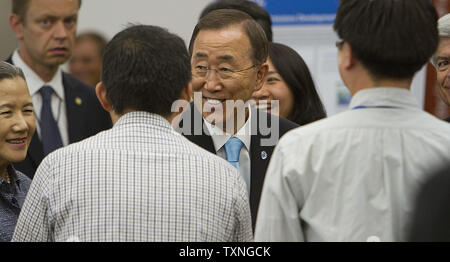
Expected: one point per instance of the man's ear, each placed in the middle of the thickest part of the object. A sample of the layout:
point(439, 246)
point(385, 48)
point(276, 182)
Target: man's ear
point(261, 76)
point(180, 105)
point(186, 93)
point(16, 24)
point(100, 91)
point(348, 56)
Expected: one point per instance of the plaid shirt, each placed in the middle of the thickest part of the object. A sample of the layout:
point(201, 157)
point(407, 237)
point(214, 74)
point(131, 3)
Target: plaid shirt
point(139, 181)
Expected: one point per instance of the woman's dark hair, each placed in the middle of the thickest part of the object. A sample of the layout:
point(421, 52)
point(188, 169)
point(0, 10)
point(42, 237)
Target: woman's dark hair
point(290, 66)
point(8, 71)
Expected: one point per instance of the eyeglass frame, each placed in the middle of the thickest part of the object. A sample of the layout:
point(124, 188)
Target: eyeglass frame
point(207, 69)
point(436, 60)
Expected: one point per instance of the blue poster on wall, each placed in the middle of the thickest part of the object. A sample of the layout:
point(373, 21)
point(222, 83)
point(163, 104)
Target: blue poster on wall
point(301, 12)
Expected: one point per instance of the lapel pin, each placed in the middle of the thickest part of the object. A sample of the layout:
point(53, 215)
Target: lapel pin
point(263, 155)
point(78, 101)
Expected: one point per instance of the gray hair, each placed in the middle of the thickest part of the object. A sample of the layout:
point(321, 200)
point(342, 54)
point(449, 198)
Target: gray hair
point(444, 31)
point(8, 71)
point(444, 26)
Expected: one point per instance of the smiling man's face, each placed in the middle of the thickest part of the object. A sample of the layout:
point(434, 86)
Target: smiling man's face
point(224, 50)
point(443, 69)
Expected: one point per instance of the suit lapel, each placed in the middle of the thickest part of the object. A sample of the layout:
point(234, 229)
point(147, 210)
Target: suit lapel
point(205, 141)
point(74, 109)
point(259, 162)
point(35, 150)
point(193, 117)
point(259, 157)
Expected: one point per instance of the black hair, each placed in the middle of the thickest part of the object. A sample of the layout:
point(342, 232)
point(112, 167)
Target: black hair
point(292, 68)
point(8, 71)
point(222, 18)
point(145, 68)
point(258, 13)
point(392, 39)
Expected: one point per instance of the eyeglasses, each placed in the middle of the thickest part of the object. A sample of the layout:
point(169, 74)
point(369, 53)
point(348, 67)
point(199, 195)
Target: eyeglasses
point(223, 72)
point(442, 64)
point(339, 44)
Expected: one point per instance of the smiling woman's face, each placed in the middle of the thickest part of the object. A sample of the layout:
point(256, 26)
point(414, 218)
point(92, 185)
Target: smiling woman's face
point(17, 121)
point(275, 89)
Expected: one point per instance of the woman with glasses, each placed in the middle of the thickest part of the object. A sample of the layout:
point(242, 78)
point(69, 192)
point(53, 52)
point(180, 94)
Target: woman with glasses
point(289, 90)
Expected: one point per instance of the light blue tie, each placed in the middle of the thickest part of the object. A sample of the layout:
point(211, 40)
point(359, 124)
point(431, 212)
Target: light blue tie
point(233, 149)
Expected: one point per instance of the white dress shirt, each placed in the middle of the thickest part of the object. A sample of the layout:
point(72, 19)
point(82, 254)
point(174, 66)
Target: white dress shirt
point(35, 83)
point(139, 181)
point(353, 176)
point(220, 137)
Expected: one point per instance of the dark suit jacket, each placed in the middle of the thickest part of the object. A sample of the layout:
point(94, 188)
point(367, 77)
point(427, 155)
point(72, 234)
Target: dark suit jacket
point(84, 120)
point(258, 164)
point(447, 119)
point(431, 216)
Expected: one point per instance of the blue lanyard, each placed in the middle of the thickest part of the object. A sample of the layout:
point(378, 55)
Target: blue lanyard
point(362, 107)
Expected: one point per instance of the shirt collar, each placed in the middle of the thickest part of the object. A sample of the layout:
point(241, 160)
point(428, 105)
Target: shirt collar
point(220, 138)
point(12, 173)
point(34, 82)
point(384, 96)
point(13, 177)
point(142, 117)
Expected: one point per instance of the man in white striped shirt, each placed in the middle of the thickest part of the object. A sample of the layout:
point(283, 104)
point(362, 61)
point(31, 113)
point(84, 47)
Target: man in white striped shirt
point(140, 180)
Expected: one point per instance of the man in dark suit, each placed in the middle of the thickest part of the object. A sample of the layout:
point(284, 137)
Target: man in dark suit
point(66, 110)
point(228, 53)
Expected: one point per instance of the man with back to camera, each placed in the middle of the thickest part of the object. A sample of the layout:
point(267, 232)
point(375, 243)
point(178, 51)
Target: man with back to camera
point(228, 53)
point(354, 176)
point(441, 60)
point(140, 180)
point(67, 110)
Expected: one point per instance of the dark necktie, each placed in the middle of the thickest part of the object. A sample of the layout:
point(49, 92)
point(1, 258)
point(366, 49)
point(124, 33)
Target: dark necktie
point(51, 138)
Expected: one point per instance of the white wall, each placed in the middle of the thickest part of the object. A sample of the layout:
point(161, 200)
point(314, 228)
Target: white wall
point(111, 16)
point(8, 40)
